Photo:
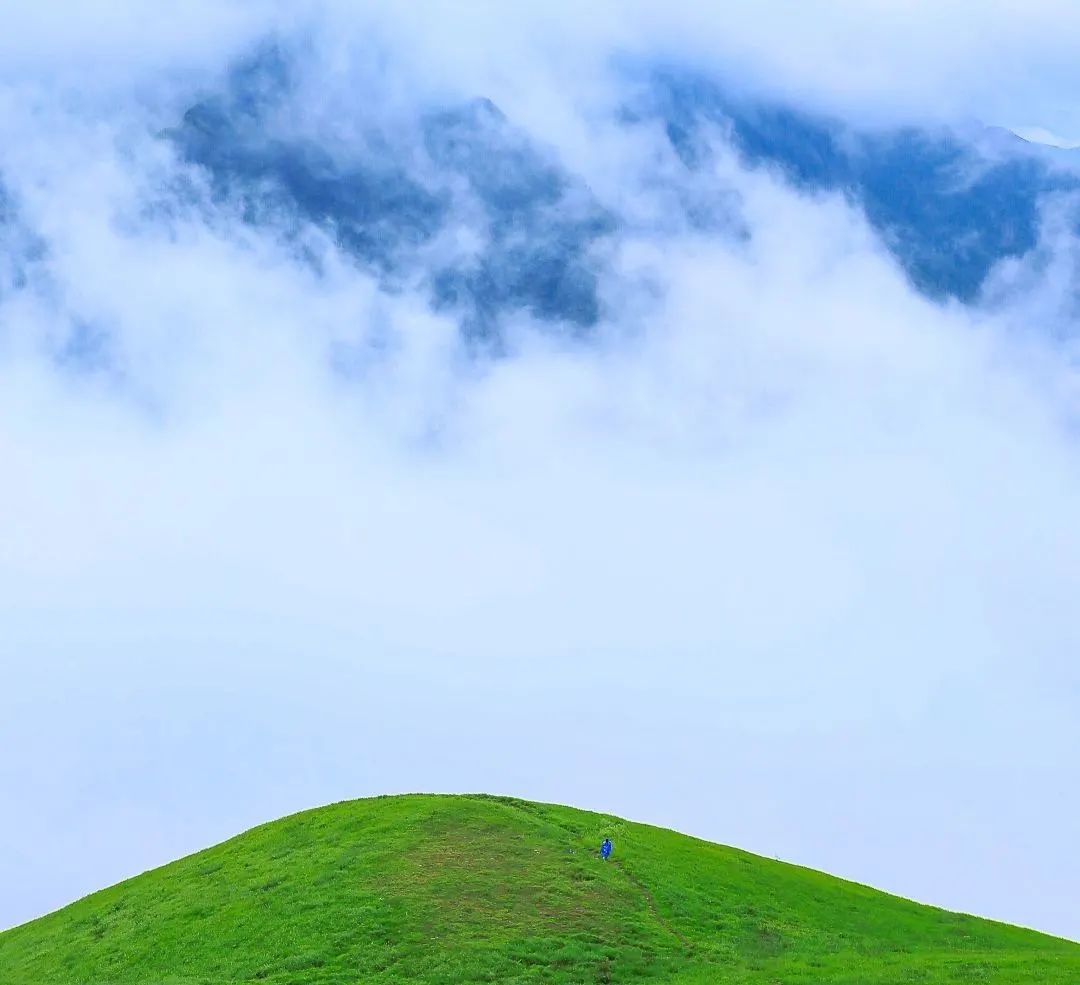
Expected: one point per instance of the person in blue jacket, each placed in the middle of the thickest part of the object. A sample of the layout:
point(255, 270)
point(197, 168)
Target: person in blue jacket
point(605, 848)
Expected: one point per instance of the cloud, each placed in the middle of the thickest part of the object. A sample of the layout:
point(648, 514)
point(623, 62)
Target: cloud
point(780, 551)
point(913, 60)
point(922, 59)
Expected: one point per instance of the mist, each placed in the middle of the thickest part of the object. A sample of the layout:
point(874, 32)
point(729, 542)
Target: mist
point(751, 537)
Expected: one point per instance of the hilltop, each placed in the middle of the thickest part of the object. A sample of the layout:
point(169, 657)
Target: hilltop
point(487, 889)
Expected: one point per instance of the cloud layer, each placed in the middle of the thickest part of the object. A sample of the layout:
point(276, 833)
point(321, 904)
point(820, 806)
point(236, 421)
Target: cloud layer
point(772, 547)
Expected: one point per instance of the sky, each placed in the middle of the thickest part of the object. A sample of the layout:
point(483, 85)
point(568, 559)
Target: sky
point(783, 554)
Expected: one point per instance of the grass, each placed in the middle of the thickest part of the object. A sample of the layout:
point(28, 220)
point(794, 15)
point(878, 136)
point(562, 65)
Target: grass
point(433, 889)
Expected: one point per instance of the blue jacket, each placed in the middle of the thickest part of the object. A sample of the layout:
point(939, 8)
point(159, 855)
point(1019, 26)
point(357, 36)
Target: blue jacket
point(605, 849)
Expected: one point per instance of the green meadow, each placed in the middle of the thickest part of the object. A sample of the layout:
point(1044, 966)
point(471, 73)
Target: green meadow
point(440, 889)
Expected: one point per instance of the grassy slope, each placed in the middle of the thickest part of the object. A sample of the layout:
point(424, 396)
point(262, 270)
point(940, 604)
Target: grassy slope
point(462, 889)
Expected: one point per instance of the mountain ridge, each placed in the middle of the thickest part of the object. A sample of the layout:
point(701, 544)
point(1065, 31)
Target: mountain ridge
point(462, 888)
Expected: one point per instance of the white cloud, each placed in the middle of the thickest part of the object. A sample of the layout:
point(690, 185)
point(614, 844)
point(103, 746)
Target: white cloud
point(784, 556)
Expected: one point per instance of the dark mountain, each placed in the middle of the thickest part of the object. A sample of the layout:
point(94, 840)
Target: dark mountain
point(535, 223)
point(947, 206)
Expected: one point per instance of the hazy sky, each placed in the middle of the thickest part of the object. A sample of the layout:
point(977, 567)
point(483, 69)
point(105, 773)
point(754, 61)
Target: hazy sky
point(785, 555)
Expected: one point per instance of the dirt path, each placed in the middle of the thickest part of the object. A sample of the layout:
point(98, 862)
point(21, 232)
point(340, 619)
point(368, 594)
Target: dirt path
point(637, 884)
point(647, 896)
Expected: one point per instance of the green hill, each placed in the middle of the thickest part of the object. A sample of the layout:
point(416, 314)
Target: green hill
point(489, 889)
